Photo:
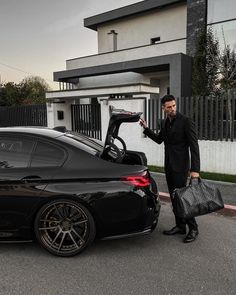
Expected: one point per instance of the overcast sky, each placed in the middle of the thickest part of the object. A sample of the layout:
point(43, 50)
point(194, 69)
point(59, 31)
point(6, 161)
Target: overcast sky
point(38, 36)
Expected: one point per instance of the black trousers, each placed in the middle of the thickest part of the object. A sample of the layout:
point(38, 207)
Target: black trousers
point(178, 180)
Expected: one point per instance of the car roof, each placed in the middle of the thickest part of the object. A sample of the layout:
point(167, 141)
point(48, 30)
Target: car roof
point(31, 130)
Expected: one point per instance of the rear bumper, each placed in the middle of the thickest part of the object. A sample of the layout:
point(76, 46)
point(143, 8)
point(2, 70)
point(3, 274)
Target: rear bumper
point(149, 220)
point(154, 212)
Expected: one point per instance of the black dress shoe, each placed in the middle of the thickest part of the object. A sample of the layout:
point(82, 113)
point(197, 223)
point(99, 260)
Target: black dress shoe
point(175, 230)
point(191, 236)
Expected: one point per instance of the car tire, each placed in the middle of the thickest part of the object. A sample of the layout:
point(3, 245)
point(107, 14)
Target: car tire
point(64, 227)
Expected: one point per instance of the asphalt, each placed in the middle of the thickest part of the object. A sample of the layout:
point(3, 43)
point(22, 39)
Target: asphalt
point(228, 191)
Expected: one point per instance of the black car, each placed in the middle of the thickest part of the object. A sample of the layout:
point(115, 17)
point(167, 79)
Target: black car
point(65, 189)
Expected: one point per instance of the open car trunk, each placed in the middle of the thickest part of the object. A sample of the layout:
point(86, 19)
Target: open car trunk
point(111, 151)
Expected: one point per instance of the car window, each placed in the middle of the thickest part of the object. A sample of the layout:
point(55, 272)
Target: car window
point(47, 155)
point(85, 143)
point(15, 152)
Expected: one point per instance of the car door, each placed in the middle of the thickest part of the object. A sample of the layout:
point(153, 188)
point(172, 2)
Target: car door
point(27, 165)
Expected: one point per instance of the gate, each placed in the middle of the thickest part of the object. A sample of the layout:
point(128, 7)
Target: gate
point(23, 115)
point(86, 119)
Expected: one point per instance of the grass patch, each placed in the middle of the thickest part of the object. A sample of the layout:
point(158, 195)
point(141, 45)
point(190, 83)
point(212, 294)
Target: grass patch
point(204, 175)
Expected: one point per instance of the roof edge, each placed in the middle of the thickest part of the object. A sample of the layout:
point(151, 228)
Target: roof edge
point(132, 9)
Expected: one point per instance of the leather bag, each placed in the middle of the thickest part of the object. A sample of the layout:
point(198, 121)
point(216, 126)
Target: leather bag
point(198, 198)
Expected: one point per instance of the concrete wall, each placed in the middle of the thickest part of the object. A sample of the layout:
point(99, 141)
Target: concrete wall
point(138, 30)
point(52, 113)
point(173, 47)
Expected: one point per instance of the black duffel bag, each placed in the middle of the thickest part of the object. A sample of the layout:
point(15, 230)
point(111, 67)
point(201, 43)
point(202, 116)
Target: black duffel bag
point(198, 198)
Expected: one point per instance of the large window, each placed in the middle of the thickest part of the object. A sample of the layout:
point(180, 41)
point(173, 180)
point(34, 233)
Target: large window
point(219, 10)
point(226, 34)
point(222, 18)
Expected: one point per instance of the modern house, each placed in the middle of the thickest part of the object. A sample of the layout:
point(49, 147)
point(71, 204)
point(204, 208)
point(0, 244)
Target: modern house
point(145, 50)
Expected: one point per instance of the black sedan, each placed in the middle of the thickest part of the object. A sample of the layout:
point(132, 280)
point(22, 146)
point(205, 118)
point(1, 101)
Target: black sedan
point(65, 189)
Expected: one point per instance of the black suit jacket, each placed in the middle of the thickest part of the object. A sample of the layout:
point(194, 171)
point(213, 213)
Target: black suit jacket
point(179, 140)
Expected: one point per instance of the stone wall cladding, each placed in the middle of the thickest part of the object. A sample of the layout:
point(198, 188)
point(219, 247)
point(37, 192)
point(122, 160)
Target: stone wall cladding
point(196, 20)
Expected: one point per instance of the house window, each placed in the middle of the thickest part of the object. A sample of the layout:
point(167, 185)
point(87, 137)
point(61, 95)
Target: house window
point(219, 10)
point(155, 40)
point(113, 35)
point(225, 32)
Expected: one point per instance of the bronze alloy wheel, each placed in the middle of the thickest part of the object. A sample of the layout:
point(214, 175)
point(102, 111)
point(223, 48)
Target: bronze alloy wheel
point(64, 227)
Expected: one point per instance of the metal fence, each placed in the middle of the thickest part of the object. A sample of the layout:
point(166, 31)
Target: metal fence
point(29, 115)
point(214, 117)
point(86, 119)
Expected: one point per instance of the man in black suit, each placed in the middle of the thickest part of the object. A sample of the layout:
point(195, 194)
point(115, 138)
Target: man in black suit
point(179, 136)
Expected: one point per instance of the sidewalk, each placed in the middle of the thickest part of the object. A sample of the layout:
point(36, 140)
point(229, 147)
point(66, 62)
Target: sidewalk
point(228, 191)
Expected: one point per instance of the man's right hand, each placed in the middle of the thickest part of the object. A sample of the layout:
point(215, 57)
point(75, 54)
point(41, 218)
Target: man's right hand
point(143, 123)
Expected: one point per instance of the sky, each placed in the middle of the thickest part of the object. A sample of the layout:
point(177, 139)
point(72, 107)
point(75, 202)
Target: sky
point(38, 36)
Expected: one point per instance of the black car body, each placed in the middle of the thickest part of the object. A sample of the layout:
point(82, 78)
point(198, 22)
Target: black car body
point(66, 189)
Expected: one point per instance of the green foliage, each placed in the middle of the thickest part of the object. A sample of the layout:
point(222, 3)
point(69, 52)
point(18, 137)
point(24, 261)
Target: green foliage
point(212, 63)
point(204, 175)
point(228, 69)
point(30, 90)
point(199, 78)
point(205, 64)
point(10, 94)
point(213, 70)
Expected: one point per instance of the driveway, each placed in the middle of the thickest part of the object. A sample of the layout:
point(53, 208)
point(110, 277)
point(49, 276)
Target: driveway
point(147, 265)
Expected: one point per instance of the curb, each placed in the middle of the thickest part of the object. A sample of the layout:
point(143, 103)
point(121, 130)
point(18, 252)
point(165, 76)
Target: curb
point(228, 210)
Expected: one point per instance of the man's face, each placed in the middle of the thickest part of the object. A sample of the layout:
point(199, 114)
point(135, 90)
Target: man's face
point(170, 108)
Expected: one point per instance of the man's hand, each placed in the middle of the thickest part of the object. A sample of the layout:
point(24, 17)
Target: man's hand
point(194, 175)
point(143, 123)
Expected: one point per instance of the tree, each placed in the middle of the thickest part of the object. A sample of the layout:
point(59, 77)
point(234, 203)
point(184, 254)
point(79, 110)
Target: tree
point(227, 68)
point(33, 90)
point(227, 72)
point(212, 62)
point(199, 79)
point(10, 94)
point(214, 71)
point(30, 90)
point(206, 64)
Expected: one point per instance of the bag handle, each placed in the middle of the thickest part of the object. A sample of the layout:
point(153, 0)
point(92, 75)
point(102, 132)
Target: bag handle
point(198, 178)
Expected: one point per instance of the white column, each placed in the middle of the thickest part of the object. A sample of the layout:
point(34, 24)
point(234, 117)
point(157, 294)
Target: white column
point(53, 115)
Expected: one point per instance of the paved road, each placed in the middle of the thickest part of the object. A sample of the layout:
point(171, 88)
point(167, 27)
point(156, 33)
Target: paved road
point(228, 190)
point(148, 265)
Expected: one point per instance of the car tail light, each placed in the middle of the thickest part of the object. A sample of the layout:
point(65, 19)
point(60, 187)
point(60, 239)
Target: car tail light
point(139, 180)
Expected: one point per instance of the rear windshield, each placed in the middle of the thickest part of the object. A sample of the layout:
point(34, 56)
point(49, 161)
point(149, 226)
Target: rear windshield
point(92, 146)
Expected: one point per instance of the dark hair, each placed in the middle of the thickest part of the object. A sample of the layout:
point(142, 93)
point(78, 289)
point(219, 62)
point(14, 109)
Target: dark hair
point(166, 98)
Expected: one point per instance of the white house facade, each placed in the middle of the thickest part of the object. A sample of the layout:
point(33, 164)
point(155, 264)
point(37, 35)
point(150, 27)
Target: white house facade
point(145, 51)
